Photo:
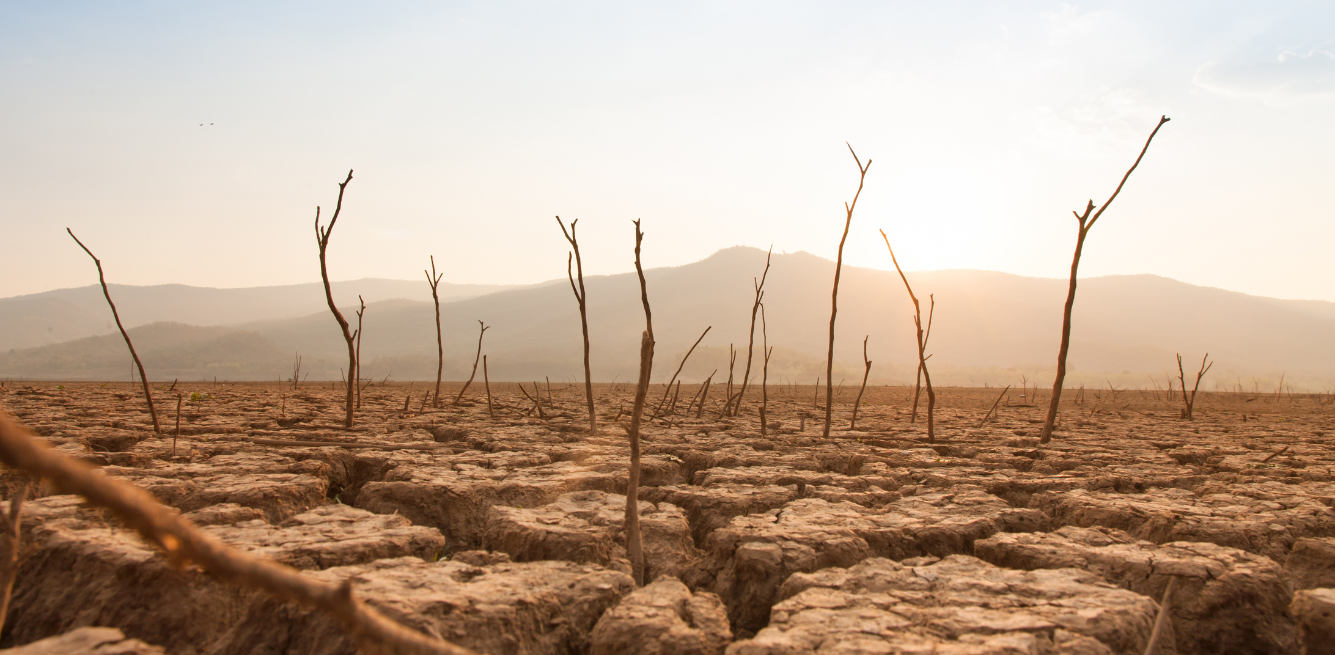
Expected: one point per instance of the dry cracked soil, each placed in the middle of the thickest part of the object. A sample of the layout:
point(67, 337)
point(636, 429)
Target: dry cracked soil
point(501, 528)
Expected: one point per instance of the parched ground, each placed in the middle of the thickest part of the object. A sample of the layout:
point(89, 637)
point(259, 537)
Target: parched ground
point(501, 528)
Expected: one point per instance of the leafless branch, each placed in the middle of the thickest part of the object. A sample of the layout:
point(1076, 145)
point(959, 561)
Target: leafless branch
point(143, 378)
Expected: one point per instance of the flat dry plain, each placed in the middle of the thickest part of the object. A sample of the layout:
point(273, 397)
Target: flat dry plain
point(504, 533)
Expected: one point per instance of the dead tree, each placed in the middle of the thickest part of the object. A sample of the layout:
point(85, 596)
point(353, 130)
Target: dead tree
point(434, 280)
point(764, 375)
point(1190, 401)
point(678, 372)
point(143, 378)
point(1085, 223)
point(475, 363)
point(9, 548)
point(751, 337)
point(922, 341)
point(634, 546)
point(358, 333)
point(917, 380)
point(182, 543)
point(580, 297)
point(322, 240)
point(834, 294)
point(853, 424)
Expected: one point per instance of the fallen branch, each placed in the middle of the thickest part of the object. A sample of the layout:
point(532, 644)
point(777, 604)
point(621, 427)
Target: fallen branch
point(183, 543)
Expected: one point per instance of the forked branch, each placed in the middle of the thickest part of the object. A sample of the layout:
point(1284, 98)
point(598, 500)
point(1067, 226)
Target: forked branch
point(433, 279)
point(476, 360)
point(834, 293)
point(1085, 222)
point(577, 276)
point(322, 240)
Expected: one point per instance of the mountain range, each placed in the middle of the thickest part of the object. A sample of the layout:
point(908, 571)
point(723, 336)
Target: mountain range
point(987, 328)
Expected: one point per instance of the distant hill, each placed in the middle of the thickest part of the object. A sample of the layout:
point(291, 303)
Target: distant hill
point(66, 314)
point(989, 328)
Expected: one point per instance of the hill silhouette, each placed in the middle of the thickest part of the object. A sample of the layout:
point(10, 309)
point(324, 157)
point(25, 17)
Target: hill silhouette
point(988, 328)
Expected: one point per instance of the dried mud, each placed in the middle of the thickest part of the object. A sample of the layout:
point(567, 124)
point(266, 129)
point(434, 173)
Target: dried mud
point(504, 533)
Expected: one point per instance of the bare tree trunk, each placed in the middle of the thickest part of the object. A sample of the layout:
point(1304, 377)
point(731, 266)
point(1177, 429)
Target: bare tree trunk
point(143, 378)
point(1085, 224)
point(853, 424)
point(433, 279)
point(477, 359)
point(834, 294)
point(674, 375)
point(358, 376)
point(751, 337)
point(922, 342)
point(634, 545)
point(581, 297)
point(322, 240)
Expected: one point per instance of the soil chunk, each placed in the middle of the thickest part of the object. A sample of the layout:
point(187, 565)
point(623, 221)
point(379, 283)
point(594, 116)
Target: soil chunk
point(663, 618)
point(1225, 600)
point(958, 605)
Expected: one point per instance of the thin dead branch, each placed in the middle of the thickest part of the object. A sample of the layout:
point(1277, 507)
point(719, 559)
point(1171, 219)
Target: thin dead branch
point(491, 411)
point(143, 378)
point(764, 375)
point(577, 286)
point(853, 424)
point(834, 293)
point(357, 379)
point(1086, 222)
point(751, 336)
point(322, 240)
point(476, 359)
point(433, 279)
point(183, 543)
point(922, 341)
point(678, 372)
point(992, 411)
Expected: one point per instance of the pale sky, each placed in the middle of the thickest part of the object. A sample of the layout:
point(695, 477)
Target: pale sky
point(718, 123)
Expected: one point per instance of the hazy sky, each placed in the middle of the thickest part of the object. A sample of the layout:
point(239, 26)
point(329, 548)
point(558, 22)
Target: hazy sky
point(718, 123)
